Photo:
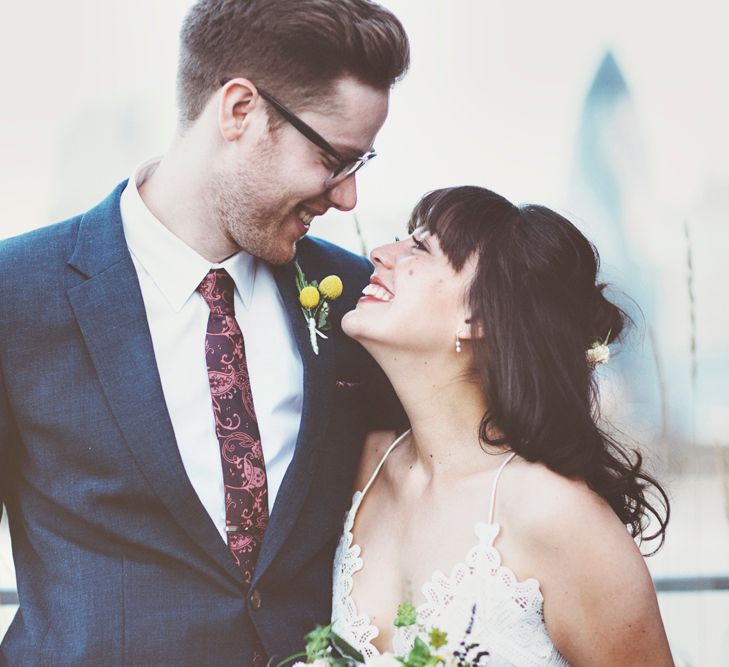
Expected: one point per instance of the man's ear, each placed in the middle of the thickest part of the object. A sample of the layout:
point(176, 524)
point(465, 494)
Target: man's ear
point(239, 98)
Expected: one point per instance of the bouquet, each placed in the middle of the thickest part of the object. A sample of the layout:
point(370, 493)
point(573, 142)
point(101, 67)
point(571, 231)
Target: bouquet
point(325, 648)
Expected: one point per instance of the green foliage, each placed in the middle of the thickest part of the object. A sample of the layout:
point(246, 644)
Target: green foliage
point(322, 643)
point(322, 318)
point(300, 279)
point(317, 642)
point(419, 655)
point(406, 615)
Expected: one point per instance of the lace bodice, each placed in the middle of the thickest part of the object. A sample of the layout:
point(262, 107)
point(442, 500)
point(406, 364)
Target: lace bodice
point(505, 615)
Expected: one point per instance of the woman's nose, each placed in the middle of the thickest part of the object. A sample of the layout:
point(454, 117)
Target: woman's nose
point(388, 254)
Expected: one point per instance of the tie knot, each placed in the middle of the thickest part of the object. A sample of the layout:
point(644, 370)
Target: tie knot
point(217, 289)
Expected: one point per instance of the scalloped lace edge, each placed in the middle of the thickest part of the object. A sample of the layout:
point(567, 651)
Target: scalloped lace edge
point(359, 623)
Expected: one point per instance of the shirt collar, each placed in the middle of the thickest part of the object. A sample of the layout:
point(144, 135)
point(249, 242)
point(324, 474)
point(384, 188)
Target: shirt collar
point(175, 268)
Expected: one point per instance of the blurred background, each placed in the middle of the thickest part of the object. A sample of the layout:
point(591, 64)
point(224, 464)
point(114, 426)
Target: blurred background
point(612, 113)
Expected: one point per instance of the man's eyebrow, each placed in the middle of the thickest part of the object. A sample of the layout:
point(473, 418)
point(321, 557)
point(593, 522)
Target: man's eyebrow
point(350, 152)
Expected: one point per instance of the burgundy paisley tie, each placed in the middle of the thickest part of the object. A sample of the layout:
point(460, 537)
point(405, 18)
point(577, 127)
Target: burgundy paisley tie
point(244, 469)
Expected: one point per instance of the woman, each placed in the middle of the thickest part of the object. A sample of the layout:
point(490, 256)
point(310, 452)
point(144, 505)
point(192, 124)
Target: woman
point(501, 514)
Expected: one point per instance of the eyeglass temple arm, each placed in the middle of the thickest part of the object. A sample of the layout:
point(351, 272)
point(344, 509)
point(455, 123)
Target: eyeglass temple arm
point(302, 127)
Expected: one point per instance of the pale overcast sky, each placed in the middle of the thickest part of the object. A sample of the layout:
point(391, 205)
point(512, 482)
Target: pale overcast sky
point(493, 97)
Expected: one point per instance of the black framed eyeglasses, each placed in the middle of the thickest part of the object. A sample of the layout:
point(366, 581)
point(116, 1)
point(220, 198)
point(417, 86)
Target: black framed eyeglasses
point(345, 167)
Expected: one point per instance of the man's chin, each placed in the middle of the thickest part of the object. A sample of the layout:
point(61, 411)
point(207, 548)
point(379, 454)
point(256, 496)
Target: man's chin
point(280, 256)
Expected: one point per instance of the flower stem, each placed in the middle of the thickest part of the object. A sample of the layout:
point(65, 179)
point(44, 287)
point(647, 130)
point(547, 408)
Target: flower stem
point(302, 654)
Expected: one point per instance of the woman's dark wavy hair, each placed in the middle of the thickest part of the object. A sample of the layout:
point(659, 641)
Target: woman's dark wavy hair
point(536, 298)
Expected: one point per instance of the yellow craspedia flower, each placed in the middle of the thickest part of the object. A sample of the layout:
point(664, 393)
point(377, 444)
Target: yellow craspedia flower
point(309, 297)
point(331, 287)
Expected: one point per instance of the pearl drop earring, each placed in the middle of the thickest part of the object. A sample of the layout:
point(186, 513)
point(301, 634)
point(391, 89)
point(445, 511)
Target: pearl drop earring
point(458, 344)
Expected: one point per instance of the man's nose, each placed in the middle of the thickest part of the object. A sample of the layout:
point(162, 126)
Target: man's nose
point(343, 195)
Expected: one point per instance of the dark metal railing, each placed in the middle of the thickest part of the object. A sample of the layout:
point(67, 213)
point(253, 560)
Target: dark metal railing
point(8, 597)
point(697, 584)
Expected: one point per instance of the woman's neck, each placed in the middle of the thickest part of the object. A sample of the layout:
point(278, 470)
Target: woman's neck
point(445, 408)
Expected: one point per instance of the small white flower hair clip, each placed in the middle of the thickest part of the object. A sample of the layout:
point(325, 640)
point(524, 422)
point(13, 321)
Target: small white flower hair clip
point(599, 352)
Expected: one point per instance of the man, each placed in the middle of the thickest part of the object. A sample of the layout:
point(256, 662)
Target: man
point(175, 459)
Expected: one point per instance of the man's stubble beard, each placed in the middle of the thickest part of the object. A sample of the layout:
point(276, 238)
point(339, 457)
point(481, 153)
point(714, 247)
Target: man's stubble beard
point(248, 211)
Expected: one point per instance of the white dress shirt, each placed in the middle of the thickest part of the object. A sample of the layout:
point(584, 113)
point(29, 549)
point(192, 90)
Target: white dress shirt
point(169, 272)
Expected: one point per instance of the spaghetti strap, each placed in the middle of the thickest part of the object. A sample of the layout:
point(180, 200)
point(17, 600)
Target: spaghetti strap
point(496, 481)
point(382, 461)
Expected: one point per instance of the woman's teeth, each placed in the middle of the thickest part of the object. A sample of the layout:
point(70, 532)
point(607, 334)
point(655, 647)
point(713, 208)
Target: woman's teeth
point(377, 292)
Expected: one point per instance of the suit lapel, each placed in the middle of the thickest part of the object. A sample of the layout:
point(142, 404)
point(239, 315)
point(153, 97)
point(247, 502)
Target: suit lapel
point(110, 313)
point(319, 377)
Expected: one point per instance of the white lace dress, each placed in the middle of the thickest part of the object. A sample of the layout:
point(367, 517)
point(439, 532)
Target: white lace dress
point(505, 615)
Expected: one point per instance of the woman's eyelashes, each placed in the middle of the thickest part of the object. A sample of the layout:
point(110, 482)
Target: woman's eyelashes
point(419, 245)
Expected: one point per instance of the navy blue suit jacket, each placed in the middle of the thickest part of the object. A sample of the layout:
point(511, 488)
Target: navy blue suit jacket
point(117, 561)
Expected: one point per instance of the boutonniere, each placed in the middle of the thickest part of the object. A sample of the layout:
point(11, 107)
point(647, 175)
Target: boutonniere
point(314, 298)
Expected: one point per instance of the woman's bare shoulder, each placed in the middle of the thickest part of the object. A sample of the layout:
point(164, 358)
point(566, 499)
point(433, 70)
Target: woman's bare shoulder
point(541, 500)
point(592, 574)
point(563, 521)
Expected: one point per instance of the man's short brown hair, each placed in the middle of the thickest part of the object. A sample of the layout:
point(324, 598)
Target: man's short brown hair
point(295, 49)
